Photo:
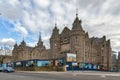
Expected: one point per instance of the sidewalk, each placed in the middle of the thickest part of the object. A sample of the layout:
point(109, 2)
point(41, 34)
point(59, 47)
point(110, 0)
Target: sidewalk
point(40, 72)
point(101, 73)
point(74, 72)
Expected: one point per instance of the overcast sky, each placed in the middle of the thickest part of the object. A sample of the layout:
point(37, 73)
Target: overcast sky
point(26, 18)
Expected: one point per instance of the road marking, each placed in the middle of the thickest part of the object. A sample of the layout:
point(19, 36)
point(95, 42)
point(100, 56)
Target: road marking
point(99, 74)
point(103, 76)
point(74, 74)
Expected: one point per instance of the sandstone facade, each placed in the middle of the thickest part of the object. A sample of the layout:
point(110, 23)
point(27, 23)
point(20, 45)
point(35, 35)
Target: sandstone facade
point(88, 50)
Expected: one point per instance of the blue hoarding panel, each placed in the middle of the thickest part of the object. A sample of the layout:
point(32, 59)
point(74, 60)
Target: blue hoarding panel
point(43, 63)
point(83, 65)
point(3, 66)
point(89, 66)
point(95, 66)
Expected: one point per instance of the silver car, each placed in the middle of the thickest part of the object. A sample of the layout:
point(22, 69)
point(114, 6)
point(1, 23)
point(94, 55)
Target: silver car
point(8, 69)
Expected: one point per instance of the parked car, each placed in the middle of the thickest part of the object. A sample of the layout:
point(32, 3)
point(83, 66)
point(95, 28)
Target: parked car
point(113, 70)
point(1, 69)
point(8, 69)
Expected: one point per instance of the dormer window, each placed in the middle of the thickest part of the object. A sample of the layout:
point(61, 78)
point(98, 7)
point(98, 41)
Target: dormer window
point(65, 40)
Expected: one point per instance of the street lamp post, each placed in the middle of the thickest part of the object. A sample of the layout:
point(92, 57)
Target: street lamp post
point(72, 63)
point(83, 65)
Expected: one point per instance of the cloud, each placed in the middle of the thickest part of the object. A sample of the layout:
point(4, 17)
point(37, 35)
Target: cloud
point(31, 44)
point(11, 9)
point(98, 17)
point(7, 42)
point(41, 3)
point(19, 28)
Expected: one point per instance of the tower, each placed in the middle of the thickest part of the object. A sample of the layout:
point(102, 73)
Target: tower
point(109, 54)
point(40, 43)
point(15, 52)
point(23, 43)
point(55, 42)
point(77, 40)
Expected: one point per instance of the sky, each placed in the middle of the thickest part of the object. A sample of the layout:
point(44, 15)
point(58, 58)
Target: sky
point(24, 19)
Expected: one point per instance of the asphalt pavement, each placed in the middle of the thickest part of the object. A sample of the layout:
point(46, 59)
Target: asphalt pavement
point(77, 75)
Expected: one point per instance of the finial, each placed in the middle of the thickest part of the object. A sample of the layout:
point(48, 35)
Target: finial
point(76, 12)
point(23, 38)
point(23, 42)
point(55, 23)
point(64, 25)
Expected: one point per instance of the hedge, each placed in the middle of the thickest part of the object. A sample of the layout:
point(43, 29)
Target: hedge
point(34, 68)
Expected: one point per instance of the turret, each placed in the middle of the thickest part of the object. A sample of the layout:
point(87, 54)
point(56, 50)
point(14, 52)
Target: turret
point(55, 41)
point(23, 43)
point(77, 23)
point(15, 46)
point(77, 39)
point(40, 43)
point(55, 33)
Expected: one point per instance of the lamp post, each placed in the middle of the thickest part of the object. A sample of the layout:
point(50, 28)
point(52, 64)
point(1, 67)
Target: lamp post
point(102, 58)
point(72, 63)
point(65, 58)
point(83, 57)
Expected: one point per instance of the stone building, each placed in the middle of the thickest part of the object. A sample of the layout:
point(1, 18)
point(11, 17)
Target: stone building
point(114, 61)
point(119, 59)
point(88, 50)
point(23, 52)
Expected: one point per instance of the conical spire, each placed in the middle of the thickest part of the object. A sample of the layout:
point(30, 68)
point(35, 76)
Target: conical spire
point(40, 43)
point(55, 26)
point(55, 32)
point(39, 37)
point(77, 23)
point(23, 42)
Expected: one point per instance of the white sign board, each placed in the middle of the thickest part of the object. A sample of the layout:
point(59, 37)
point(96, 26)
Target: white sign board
point(71, 57)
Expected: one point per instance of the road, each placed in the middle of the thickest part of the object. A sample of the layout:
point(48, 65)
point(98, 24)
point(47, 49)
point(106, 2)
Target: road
point(59, 76)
